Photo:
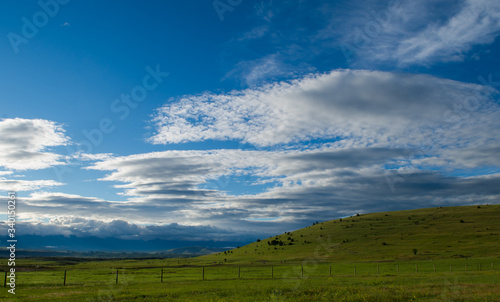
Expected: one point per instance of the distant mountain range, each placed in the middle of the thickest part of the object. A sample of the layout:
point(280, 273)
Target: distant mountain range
point(72, 246)
point(173, 253)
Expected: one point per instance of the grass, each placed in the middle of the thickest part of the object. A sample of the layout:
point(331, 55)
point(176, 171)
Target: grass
point(435, 233)
point(446, 286)
point(371, 258)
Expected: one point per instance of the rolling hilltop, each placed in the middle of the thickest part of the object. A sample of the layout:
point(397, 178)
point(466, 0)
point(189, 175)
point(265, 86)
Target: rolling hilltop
point(433, 233)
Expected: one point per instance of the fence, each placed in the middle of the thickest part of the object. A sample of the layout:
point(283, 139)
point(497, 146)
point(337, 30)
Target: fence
point(231, 272)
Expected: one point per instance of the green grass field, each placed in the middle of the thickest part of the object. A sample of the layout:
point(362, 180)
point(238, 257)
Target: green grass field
point(435, 233)
point(439, 254)
point(256, 284)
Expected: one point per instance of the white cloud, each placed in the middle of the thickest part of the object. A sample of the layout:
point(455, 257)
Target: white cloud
point(414, 32)
point(477, 22)
point(24, 143)
point(50, 204)
point(357, 107)
point(26, 185)
point(254, 33)
point(264, 70)
point(91, 157)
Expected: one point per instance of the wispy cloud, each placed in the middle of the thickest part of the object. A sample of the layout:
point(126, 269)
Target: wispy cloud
point(26, 185)
point(476, 23)
point(392, 34)
point(414, 33)
point(254, 33)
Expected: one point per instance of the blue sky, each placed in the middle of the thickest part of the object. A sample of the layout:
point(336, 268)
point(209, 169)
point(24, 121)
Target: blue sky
point(224, 121)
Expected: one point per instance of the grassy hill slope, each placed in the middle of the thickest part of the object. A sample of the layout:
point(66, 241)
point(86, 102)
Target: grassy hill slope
point(433, 233)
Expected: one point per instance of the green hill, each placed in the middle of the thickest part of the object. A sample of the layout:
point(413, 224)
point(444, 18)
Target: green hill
point(433, 233)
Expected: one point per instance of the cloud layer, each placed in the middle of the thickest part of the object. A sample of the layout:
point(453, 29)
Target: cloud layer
point(84, 227)
point(295, 187)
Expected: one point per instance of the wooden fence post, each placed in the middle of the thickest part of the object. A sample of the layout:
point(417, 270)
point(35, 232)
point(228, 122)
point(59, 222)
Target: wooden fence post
point(161, 276)
point(64, 284)
point(203, 273)
point(116, 276)
point(302, 271)
point(330, 270)
point(5, 280)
